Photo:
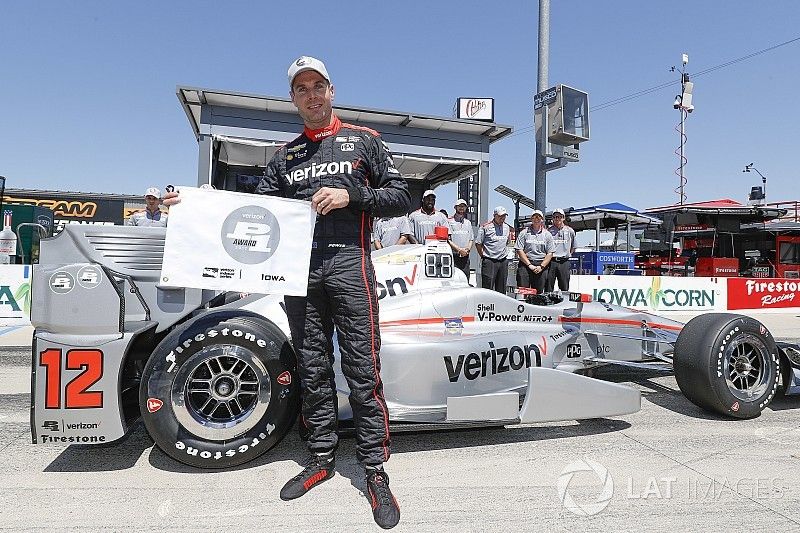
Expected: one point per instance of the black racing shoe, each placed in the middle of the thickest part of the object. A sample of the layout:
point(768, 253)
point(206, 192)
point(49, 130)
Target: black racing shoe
point(385, 510)
point(317, 469)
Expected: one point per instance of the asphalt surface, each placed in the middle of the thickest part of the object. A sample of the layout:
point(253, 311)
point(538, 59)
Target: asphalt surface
point(670, 467)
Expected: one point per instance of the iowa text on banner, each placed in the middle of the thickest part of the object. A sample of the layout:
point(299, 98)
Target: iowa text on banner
point(241, 242)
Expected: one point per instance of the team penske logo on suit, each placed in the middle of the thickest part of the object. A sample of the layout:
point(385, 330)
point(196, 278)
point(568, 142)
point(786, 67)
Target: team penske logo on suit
point(316, 170)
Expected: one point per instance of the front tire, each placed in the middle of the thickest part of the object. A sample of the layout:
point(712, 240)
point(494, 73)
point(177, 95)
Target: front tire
point(728, 364)
point(220, 390)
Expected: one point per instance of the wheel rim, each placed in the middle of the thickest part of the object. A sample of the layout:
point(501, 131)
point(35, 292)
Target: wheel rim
point(221, 392)
point(748, 367)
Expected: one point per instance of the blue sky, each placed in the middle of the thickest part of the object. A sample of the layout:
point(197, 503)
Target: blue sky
point(88, 88)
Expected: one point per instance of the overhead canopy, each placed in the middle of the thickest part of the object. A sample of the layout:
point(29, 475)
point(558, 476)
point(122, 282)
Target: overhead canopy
point(437, 170)
point(610, 216)
point(722, 207)
point(774, 226)
point(246, 130)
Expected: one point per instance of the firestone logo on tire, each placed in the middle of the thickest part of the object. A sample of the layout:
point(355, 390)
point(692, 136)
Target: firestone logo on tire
point(285, 378)
point(154, 404)
point(250, 234)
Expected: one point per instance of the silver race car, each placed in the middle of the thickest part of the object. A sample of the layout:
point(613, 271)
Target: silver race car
point(213, 377)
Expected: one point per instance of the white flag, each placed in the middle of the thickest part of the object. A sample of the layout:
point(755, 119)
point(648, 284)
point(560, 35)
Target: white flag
point(240, 242)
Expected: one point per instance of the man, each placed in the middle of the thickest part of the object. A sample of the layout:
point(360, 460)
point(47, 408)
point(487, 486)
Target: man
point(461, 236)
point(341, 284)
point(492, 245)
point(424, 219)
point(151, 215)
point(361, 182)
point(564, 240)
point(535, 250)
point(389, 231)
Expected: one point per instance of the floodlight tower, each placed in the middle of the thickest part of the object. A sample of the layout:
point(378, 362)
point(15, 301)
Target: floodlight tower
point(683, 102)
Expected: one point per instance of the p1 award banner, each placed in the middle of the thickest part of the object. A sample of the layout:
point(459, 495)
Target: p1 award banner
point(239, 242)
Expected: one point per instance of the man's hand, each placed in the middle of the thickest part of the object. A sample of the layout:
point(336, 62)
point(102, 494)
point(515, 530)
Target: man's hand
point(327, 199)
point(171, 198)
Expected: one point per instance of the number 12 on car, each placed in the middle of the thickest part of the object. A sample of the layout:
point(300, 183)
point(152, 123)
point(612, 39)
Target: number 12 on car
point(76, 393)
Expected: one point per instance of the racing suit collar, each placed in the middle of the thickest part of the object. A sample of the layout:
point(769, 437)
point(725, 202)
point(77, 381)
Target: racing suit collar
point(327, 131)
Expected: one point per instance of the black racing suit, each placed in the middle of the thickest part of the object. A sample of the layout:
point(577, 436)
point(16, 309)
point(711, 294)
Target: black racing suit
point(341, 280)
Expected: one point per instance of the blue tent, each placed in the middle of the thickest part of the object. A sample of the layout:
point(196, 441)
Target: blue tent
point(607, 217)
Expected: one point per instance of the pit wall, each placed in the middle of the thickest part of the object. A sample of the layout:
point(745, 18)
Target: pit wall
point(667, 295)
point(15, 295)
point(654, 294)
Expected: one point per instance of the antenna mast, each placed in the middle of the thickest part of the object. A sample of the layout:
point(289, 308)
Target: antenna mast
point(683, 103)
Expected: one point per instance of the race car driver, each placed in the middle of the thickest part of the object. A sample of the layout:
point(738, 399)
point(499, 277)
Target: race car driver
point(348, 174)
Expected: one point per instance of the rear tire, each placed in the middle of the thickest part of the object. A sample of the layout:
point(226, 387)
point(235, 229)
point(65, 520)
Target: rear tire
point(220, 390)
point(728, 364)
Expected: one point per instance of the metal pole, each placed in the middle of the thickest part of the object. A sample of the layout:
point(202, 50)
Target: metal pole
point(2, 193)
point(683, 117)
point(597, 235)
point(544, 44)
point(540, 180)
point(628, 238)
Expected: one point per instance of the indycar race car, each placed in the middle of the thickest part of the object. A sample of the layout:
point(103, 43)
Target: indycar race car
point(212, 375)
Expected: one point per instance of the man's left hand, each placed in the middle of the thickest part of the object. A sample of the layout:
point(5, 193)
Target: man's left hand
point(327, 199)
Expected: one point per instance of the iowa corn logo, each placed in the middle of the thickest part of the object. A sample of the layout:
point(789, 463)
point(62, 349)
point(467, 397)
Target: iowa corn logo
point(654, 293)
point(13, 300)
point(23, 296)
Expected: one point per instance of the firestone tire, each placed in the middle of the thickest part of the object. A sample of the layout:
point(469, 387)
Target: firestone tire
point(728, 364)
point(220, 390)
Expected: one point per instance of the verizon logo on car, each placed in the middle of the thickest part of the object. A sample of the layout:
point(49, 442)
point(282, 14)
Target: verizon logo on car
point(492, 361)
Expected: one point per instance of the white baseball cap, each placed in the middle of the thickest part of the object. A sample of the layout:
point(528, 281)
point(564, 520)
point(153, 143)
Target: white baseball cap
point(429, 192)
point(500, 210)
point(303, 63)
point(559, 211)
point(537, 212)
point(152, 191)
point(460, 201)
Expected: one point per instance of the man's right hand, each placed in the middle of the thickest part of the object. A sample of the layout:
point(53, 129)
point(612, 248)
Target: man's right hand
point(171, 198)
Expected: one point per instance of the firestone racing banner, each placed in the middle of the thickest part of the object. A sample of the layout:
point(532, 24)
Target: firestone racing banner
point(763, 293)
point(240, 242)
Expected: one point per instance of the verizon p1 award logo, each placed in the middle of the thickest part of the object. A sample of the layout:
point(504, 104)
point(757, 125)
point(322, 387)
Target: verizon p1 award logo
point(250, 234)
point(240, 242)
